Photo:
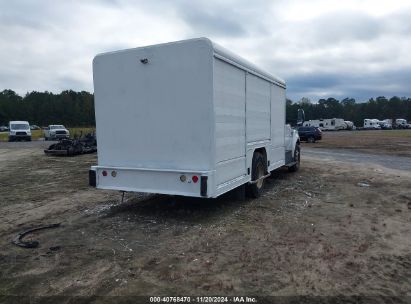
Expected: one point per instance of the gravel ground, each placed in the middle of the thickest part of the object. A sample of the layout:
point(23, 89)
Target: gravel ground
point(334, 228)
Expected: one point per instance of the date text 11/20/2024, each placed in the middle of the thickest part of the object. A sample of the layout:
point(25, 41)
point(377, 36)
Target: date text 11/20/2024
point(240, 299)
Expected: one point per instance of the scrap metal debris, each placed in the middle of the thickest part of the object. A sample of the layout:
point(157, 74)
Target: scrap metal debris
point(18, 240)
point(70, 147)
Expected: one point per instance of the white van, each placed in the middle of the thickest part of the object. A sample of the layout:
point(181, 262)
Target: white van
point(19, 130)
point(188, 118)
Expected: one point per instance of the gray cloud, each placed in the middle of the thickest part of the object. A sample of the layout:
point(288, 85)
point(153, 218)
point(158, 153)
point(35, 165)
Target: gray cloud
point(223, 19)
point(361, 86)
point(211, 21)
point(49, 45)
point(344, 26)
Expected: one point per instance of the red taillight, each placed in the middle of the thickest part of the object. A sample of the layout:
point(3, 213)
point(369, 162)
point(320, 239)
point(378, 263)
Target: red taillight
point(194, 178)
point(104, 173)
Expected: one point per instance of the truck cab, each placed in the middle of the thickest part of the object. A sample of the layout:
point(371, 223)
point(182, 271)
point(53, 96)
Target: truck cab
point(56, 132)
point(19, 130)
point(401, 123)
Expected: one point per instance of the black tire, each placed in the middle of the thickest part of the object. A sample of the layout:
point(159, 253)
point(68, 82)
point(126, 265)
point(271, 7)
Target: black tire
point(70, 151)
point(297, 158)
point(11, 139)
point(311, 139)
point(258, 169)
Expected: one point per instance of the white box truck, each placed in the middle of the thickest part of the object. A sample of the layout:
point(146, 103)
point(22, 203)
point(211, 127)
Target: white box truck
point(188, 118)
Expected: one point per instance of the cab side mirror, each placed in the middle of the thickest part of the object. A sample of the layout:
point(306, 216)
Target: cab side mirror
point(300, 117)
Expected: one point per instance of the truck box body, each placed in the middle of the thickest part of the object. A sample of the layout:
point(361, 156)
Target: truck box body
point(169, 112)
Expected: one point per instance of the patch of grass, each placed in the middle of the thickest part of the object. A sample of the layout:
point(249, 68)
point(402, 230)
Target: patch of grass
point(390, 142)
point(384, 133)
point(36, 134)
point(81, 130)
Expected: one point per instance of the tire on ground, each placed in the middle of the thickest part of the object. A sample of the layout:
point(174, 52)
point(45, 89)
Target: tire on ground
point(258, 170)
point(296, 158)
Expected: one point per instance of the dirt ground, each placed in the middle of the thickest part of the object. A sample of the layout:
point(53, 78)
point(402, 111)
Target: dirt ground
point(392, 142)
point(331, 229)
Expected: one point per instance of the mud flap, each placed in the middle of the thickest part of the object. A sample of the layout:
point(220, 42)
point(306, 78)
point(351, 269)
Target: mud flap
point(203, 186)
point(289, 157)
point(92, 178)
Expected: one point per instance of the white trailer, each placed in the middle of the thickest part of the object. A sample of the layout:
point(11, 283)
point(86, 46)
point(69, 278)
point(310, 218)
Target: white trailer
point(385, 124)
point(371, 124)
point(188, 118)
point(331, 124)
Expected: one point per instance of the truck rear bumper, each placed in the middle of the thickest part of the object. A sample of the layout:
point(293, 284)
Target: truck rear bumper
point(162, 181)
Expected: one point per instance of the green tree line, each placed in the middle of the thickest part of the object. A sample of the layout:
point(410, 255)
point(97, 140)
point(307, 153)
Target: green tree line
point(77, 108)
point(70, 108)
point(348, 109)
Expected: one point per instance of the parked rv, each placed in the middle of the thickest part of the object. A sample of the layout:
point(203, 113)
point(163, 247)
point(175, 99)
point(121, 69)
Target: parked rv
point(19, 130)
point(349, 125)
point(332, 124)
point(372, 124)
point(401, 123)
point(189, 118)
point(385, 124)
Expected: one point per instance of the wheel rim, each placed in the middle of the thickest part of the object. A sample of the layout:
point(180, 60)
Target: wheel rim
point(297, 157)
point(260, 173)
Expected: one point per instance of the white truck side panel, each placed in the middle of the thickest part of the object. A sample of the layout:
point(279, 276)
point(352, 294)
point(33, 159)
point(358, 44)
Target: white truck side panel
point(158, 114)
point(277, 116)
point(229, 107)
point(277, 150)
point(257, 109)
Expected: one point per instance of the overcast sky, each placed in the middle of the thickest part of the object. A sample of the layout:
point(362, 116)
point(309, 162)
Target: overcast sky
point(322, 48)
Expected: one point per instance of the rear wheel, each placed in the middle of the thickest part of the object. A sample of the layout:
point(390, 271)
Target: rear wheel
point(297, 158)
point(258, 171)
point(311, 139)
